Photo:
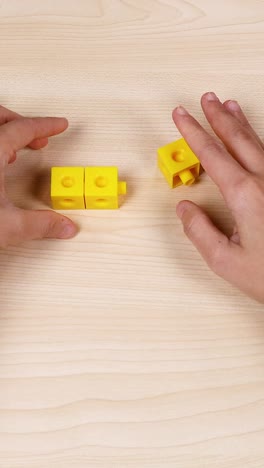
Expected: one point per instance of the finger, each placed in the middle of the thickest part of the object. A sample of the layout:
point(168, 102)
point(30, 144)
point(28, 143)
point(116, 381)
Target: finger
point(236, 111)
point(39, 143)
point(237, 139)
point(35, 145)
point(17, 134)
point(7, 115)
point(225, 171)
point(217, 250)
point(23, 225)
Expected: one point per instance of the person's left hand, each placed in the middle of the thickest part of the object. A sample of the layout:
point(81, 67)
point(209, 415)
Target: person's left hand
point(18, 225)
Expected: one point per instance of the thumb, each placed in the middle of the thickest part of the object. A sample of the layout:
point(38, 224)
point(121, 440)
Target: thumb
point(217, 250)
point(39, 224)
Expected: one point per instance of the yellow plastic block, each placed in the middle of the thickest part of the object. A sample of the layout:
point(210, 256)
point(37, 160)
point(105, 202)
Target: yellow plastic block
point(178, 163)
point(67, 188)
point(102, 188)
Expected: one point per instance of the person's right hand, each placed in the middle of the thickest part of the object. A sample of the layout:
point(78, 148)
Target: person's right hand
point(236, 165)
point(18, 225)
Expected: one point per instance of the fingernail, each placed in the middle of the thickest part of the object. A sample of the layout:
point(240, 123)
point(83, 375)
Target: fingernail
point(211, 97)
point(68, 231)
point(233, 106)
point(181, 110)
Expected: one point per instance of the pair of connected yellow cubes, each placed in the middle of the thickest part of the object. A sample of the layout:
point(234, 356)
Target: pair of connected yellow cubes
point(178, 163)
point(79, 188)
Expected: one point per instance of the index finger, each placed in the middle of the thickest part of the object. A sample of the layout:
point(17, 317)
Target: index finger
point(19, 133)
point(7, 115)
point(223, 169)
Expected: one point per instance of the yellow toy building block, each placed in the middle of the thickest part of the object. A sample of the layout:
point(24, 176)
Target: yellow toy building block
point(178, 163)
point(102, 188)
point(67, 188)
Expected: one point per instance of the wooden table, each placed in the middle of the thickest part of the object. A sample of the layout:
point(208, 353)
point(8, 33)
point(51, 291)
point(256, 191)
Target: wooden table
point(120, 348)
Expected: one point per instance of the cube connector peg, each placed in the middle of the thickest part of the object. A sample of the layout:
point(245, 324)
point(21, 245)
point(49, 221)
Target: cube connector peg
point(79, 188)
point(178, 163)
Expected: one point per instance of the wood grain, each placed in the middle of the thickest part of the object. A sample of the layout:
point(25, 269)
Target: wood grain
point(120, 348)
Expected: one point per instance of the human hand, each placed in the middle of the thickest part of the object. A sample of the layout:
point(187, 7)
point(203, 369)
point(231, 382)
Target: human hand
point(18, 225)
point(236, 165)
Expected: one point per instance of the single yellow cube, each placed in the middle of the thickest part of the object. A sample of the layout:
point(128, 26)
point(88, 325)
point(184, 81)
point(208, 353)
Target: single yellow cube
point(102, 188)
point(178, 163)
point(67, 188)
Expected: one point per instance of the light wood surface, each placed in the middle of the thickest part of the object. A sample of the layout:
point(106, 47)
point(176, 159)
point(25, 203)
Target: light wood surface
point(120, 348)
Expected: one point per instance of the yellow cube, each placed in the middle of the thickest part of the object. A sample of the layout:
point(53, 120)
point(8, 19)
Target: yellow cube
point(67, 188)
point(178, 163)
point(102, 188)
